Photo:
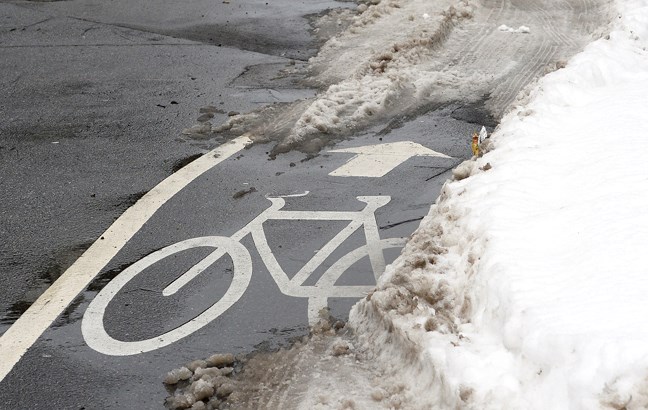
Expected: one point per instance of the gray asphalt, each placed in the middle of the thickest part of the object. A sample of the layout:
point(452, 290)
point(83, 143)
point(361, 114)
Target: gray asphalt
point(92, 115)
point(95, 98)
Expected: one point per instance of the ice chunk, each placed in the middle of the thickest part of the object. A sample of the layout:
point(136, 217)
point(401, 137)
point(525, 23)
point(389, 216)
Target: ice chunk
point(175, 375)
point(202, 389)
point(483, 134)
point(180, 401)
point(521, 29)
point(196, 364)
point(220, 360)
point(225, 390)
point(199, 405)
point(206, 373)
point(341, 347)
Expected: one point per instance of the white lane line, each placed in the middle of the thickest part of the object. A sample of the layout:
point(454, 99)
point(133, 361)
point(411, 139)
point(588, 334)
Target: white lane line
point(15, 342)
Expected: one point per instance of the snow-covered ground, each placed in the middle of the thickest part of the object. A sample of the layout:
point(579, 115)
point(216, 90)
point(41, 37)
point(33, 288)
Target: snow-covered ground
point(525, 287)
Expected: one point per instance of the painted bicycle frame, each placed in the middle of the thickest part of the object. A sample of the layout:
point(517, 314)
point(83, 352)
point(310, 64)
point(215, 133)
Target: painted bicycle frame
point(317, 294)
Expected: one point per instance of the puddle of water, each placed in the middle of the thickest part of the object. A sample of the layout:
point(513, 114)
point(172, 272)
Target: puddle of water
point(61, 262)
point(103, 278)
point(475, 113)
point(121, 203)
point(185, 161)
point(280, 338)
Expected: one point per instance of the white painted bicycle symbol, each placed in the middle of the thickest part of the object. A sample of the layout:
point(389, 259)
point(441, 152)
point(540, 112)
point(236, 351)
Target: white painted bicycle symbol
point(95, 333)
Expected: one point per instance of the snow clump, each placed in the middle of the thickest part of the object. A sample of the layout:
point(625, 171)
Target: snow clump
point(521, 29)
point(202, 384)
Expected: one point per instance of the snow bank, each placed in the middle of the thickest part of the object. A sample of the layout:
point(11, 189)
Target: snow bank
point(525, 287)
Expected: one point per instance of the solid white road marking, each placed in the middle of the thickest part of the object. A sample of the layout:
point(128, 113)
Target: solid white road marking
point(375, 161)
point(28, 328)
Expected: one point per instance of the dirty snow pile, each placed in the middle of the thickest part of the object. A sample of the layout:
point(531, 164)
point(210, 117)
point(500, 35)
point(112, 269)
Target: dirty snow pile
point(526, 287)
point(386, 79)
point(397, 56)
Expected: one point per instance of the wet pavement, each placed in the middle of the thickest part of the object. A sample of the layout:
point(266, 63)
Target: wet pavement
point(96, 98)
point(92, 114)
point(264, 317)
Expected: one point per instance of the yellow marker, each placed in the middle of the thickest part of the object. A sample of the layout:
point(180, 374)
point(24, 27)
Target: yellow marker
point(475, 144)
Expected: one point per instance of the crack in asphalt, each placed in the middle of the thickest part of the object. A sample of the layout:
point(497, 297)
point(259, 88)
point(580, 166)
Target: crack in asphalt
point(443, 171)
point(401, 223)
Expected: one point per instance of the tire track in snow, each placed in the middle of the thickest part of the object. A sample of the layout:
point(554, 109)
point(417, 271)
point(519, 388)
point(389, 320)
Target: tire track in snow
point(556, 33)
point(483, 32)
point(551, 29)
point(540, 59)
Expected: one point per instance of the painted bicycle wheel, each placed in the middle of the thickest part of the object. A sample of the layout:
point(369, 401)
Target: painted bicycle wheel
point(93, 328)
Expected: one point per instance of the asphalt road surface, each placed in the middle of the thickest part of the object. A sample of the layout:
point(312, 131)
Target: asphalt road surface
point(92, 111)
point(95, 98)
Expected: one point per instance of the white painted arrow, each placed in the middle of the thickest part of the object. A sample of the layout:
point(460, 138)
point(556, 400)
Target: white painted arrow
point(375, 161)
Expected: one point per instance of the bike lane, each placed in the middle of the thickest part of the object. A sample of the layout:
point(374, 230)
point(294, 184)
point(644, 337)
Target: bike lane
point(221, 202)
